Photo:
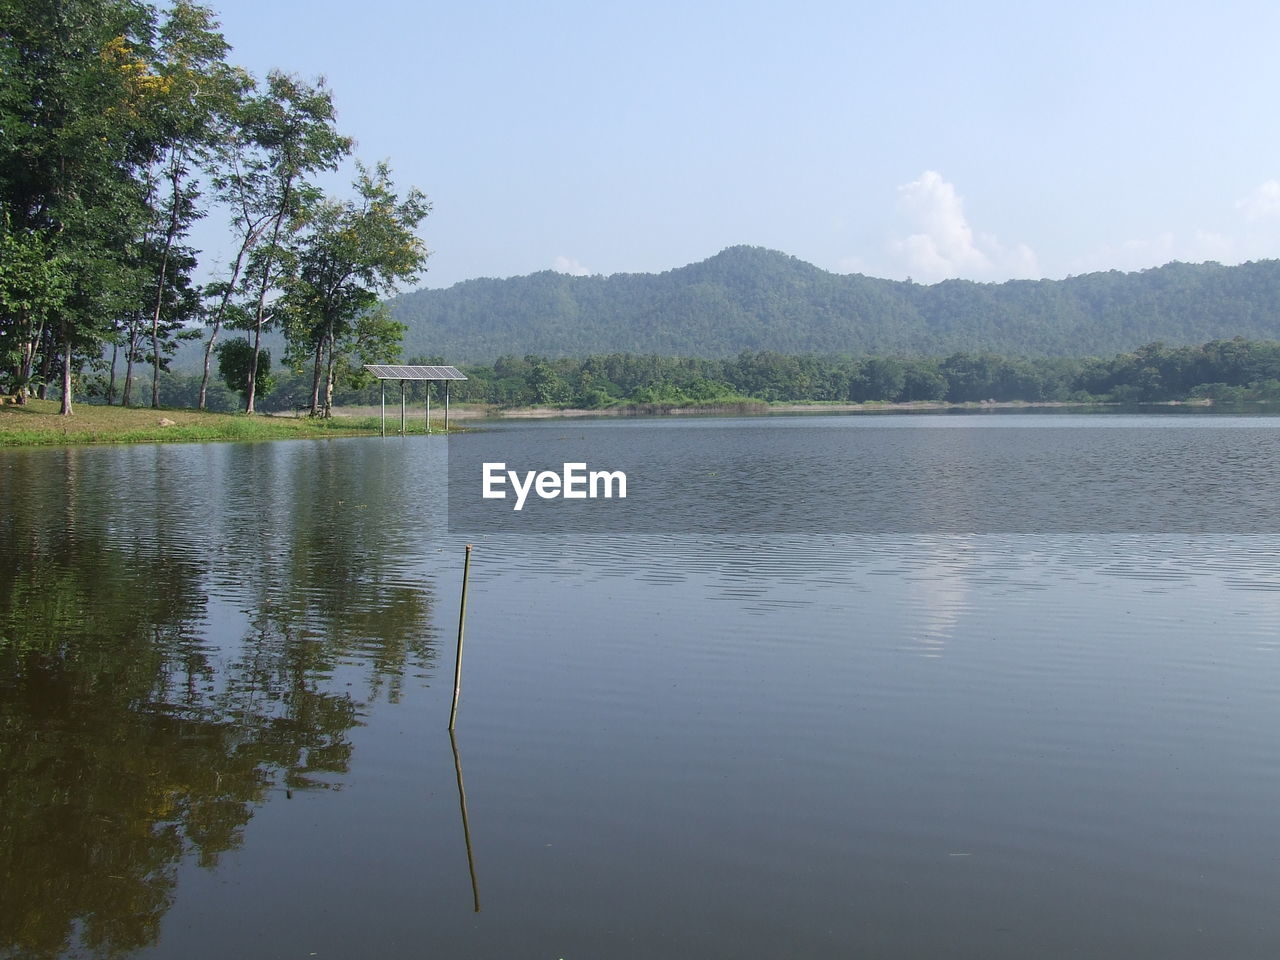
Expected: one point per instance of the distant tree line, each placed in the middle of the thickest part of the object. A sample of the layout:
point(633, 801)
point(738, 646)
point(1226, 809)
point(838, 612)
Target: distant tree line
point(123, 123)
point(1223, 370)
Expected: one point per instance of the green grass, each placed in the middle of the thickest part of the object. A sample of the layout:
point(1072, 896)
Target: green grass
point(39, 424)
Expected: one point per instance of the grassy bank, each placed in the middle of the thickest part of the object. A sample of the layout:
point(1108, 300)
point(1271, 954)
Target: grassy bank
point(38, 424)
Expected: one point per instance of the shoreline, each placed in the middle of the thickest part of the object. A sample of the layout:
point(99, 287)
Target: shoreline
point(38, 424)
point(762, 408)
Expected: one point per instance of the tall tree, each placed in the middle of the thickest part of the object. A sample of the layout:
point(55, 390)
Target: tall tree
point(293, 124)
point(74, 92)
point(350, 254)
point(197, 90)
point(241, 179)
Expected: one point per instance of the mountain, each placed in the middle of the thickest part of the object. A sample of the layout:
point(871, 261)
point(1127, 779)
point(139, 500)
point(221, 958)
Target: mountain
point(750, 298)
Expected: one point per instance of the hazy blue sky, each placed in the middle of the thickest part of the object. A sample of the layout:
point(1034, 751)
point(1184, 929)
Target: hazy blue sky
point(980, 140)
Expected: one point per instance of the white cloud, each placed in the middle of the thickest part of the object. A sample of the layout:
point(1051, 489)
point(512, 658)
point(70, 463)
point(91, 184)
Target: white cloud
point(1253, 233)
point(942, 244)
point(1262, 203)
point(570, 266)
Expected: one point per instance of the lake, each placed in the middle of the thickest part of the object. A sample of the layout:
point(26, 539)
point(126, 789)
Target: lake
point(979, 685)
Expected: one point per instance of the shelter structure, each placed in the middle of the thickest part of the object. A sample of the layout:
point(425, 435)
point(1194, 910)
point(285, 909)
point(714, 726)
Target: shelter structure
point(404, 374)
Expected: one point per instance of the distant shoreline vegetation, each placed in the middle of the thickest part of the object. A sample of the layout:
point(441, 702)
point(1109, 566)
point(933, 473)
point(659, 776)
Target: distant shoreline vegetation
point(1235, 370)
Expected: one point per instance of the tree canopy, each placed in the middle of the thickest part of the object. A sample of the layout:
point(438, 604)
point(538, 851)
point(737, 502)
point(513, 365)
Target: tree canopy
point(123, 124)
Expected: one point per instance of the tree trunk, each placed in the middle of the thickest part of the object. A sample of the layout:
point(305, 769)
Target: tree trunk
point(155, 360)
point(155, 370)
point(23, 387)
point(315, 379)
point(111, 384)
point(250, 388)
point(208, 351)
point(217, 322)
point(328, 379)
point(131, 351)
point(27, 362)
point(46, 371)
point(66, 373)
point(175, 172)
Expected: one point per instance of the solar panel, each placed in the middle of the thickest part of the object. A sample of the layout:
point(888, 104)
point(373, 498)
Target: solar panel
point(384, 371)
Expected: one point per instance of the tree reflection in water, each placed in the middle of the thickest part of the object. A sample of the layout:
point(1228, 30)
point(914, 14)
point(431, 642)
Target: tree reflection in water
point(129, 740)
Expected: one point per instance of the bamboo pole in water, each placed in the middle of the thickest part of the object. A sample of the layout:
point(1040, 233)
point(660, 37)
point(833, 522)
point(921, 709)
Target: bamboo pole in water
point(462, 622)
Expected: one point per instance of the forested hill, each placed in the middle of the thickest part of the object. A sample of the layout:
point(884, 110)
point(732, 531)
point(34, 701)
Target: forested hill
point(749, 298)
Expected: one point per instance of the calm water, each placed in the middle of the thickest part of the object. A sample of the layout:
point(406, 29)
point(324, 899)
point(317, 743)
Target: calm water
point(225, 674)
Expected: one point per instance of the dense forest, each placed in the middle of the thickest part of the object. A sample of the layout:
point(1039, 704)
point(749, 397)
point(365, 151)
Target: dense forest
point(747, 298)
point(123, 123)
point(1228, 370)
point(1222, 370)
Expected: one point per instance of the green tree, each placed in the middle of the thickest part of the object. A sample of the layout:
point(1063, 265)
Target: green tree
point(237, 359)
point(242, 178)
point(293, 124)
point(545, 384)
point(349, 254)
point(74, 93)
point(34, 285)
point(879, 378)
point(195, 88)
point(922, 381)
